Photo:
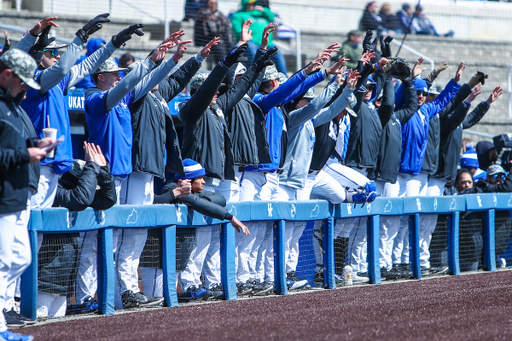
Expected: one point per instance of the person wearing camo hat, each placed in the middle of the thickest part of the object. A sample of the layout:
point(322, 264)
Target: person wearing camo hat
point(17, 151)
point(110, 127)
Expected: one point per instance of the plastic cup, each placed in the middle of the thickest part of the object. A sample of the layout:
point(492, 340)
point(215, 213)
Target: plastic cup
point(52, 133)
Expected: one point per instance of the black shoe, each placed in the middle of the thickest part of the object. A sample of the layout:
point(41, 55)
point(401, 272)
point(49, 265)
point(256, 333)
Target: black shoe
point(319, 277)
point(406, 270)
point(263, 289)
point(216, 292)
point(134, 300)
point(20, 317)
point(440, 271)
point(244, 289)
point(425, 272)
point(383, 274)
point(395, 273)
point(292, 276)
point(11, 320)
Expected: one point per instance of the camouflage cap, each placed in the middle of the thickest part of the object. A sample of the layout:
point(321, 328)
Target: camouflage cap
point(55, 45)
point(22, 65)
point(132, 66)
point(282, 78)
point(352, 101)
point(78, 168)
point(198, 80)
point(109, 65)
point(433, 90)
point(270, 73)
point(310, 94)
point(495, 169)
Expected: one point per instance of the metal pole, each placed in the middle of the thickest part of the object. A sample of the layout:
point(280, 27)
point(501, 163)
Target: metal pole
point(299, 49)
point(166, 20)
point(509, 89)
point(18, 5)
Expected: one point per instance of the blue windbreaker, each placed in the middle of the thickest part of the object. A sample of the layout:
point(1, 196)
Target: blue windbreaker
point(415, 131)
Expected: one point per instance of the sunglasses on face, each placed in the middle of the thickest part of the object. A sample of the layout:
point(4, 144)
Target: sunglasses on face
point(370, 87)
point(501, 176)
point(54, 52)
point(422, 93)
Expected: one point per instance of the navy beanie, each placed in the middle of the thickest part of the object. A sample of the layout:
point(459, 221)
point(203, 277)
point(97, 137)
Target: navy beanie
point(192, 170)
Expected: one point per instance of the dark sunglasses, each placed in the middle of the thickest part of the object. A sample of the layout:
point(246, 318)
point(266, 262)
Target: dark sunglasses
point(54, 52)
point(499, 175)
point(370, 87)
point(420, 92)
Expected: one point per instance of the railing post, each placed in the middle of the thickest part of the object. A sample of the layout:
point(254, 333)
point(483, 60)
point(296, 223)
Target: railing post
point(328, 247)
point(29, 279)
point(279, 259)
point(414, 243)
point(453, 243)
point(227, 261)
point(488, 237)
point(169, 265)
point(106, 271)
point(373, 236)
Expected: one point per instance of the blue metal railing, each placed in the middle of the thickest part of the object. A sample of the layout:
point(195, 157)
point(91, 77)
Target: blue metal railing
point(171, 217)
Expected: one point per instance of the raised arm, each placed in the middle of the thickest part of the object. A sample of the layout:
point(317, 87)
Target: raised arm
point(476, 115)
point(388, 102)
point(90, 64)
point(405, 113)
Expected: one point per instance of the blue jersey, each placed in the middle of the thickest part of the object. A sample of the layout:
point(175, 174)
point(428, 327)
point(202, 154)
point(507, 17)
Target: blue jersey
point(112, 130)
point(52, 107)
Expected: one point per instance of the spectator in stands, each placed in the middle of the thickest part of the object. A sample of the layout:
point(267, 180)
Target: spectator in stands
point(487, 154)
point(469, 161)
point(464, 180)
point(211, 23)
point(422, 25)
point(7, 44)
point(260, 17)
point(390, 21)
point(17, 152)
point(92, 46)
point(191, 8)
point(352, 48)
point(371, 20)
point(405, 16)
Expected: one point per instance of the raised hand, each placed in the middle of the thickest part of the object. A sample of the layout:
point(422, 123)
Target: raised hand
point(182, 47)
point(497, 92)
point(265, 59)
point(459, 72)
point(335, 69)
point(159, 53)
point(246, 33)
point(313, 67)
point(92, 26)
point(184, 188)
point(383, 61)
point(352, 78)
point(417, 70)
point(340, 77)
point(437, 70)
point(7, 44)
point(234, 54)
point(174, 38)
point(40, 26)
point(367, 40)
point(122, 37)
point(205, 52)
point(477, 90)
point(266, 33)
point(367, 57)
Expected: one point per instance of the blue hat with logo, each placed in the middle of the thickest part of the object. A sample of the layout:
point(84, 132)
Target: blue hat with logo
point(421, 85)
point(469, 159)
point(192, 170)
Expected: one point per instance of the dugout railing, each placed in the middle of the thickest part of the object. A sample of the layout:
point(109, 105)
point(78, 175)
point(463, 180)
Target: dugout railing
point(172, 217)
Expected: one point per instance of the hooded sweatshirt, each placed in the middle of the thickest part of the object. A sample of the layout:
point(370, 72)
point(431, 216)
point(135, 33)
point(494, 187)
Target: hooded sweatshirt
point(259, 21)
point(482, 149)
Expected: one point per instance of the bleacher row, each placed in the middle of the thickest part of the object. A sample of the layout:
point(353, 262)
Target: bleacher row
point(172, 217)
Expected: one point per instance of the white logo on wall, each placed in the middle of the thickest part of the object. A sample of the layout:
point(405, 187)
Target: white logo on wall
point(453, 204)
point(293, 210)
point(315, 211)
point(100, 217)
point(233, 211)
point(178, 214)
point(72, 217)
point(510, 201)
point(495, 200)
point(435, 204)
point(368, 208)
point(388, 207)
point(418, 203)
point(479, 200)
point(270, 209)
point(133, 217)
point(349, 209)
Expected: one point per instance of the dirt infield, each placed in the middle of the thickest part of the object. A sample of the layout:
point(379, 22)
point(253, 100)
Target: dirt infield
point(469, 307)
